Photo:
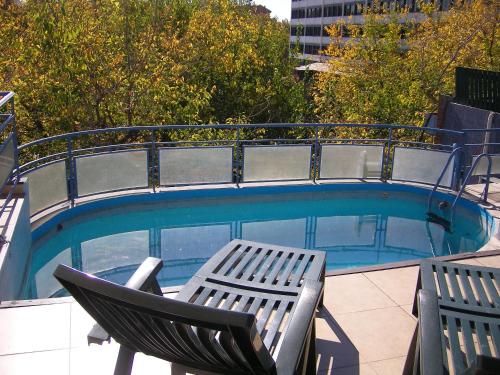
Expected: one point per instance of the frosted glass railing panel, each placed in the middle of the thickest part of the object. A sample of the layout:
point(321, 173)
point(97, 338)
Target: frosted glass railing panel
point(112, 171)
point(186, 166)
point(276, 163)
point(418, 165)
point(7, 156)
point(47, 186)
point(351, 161)
point(482, 166)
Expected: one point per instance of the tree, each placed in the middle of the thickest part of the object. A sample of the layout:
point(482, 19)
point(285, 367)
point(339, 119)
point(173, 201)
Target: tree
point(395, 68)
point(79, 64)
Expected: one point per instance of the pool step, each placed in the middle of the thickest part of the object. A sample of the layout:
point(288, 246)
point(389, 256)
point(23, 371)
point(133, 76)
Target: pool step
point(445, 223)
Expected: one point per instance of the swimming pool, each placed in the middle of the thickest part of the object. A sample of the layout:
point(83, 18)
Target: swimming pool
point(356, 224)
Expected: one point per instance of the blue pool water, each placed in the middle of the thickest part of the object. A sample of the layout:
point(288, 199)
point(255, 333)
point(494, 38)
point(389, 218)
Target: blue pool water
point(356, 226)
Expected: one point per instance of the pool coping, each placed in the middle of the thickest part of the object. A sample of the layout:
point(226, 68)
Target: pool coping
point(492, 247)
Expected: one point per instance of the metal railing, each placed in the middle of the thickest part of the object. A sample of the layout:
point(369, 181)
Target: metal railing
point(68, 148)
point(8, 150)
point(451, 158)
point(64, 151)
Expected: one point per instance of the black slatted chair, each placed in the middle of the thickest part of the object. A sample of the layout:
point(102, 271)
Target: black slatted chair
point(461, 286)
point(259, 322)
point(458, 330)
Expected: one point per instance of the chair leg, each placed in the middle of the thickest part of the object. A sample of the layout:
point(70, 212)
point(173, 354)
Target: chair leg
point(311, 356)
point(320, 303)
point(124, 361)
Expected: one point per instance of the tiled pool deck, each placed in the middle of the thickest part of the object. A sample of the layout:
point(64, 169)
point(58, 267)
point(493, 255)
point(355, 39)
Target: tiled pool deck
point(364, 329)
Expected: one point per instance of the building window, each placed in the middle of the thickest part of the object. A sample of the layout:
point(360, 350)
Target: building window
point(333, 10)
point(313, 30)
point(298, 13)
point(353, 9)
point(314, 12)
point(311, 49)
point(297, 30)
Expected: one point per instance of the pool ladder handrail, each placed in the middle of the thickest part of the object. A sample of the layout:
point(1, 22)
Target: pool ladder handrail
point(469, 175)
point(438, 182)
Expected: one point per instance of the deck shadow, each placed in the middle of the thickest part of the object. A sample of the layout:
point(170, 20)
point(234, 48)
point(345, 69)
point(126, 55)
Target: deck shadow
point(338, 353)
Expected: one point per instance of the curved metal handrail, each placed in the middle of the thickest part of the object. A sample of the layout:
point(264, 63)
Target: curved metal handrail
point(72, 135)
point(68, 148)
point(443, 172)
point(469, 174)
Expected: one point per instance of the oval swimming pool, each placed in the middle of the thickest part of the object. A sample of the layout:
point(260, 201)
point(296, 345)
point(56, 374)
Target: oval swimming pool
point(356, 224)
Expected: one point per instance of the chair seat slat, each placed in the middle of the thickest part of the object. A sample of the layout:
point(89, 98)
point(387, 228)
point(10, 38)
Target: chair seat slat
point(492, 291)
point(271, 277)
point(228, 303)
point(237, 251)
point(478, 285)
point(234, 271)
point(443, 285)
point(275, 324)
point(482, 334)
point(254, 307)
point(264, 269)
point(495, 336)
point(457, 293)
point(253, 265)
point(468, 339)
point(242, 303)
point(214, 302)
point(469, 294)
point(456, 353)
point(203, 296)
point(268, 309)
point(285, 275)
point(298, 275)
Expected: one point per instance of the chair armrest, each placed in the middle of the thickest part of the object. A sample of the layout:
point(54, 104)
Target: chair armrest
point(296, 334)
point(143, 279)
point(429, 333)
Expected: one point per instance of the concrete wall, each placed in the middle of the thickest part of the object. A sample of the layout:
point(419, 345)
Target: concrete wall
point(460, 117)
point(15, 253)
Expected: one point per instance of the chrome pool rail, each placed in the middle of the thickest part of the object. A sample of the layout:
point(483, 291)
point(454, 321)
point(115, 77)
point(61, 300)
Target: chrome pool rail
point(8, 150)
point(56, 166)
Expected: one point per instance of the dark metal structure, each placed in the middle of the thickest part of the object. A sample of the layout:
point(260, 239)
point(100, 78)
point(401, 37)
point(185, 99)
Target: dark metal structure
point(458, 330)
point(249, 310)
point(478, 88)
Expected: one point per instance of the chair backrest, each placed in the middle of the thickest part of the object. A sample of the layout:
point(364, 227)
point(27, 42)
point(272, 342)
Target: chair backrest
point(197, 336)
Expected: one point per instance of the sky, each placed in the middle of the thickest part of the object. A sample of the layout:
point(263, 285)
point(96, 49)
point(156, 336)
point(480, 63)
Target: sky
point(279, 8)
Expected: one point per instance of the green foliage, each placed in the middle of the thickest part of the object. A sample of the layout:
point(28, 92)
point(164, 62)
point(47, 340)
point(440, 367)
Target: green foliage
point(377, 77)
point(80, 64)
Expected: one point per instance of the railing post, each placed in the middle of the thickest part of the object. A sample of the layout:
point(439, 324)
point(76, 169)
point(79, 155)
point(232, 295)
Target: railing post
point(72, 177)
point(154, 169)
point(316, 153)
point(14, 131)
point(236, 158)
point(457, 167)
point(487, 183)
point(385, 165)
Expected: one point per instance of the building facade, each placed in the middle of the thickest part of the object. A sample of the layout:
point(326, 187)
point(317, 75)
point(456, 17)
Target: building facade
point(310, 17)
